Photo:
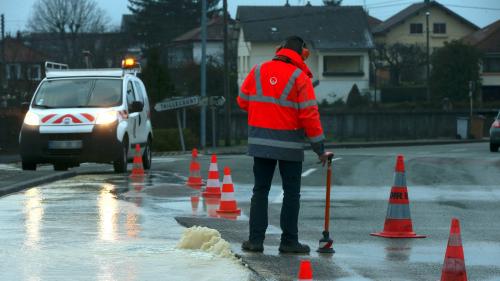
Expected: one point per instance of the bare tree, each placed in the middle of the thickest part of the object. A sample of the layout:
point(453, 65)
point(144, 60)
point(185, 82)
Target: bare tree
point(70, 19)
point(68, 16)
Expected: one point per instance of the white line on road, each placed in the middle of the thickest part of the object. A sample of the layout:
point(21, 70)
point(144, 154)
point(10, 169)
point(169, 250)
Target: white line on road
point(308, 172)
point(335, 159)
point(279, 198)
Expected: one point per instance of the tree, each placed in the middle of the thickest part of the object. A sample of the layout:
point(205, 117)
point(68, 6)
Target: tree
point(67, 16)
point(69, 19)
point(453, 66)
point(156, 77)
point(160, 21)
point(332, 2)
point(355, 99)
point(403, 60)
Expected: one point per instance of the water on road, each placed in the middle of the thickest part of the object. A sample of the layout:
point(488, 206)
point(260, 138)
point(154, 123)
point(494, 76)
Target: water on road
point(101, 227)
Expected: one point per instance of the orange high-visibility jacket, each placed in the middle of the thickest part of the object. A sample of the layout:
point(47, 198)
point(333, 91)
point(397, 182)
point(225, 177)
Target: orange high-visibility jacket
point(282, 109)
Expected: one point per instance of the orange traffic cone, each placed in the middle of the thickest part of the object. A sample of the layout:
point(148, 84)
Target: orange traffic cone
point(212, 203)
point(454, 263)
point(137, 168)
point(194, 179)
point(213, 184)
point(195, 200)
point(228, 202)
point(398, 223)
point(305, 271)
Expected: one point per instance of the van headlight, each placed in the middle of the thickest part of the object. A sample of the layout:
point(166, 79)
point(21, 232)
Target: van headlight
point(31, 119)
point(106, 117)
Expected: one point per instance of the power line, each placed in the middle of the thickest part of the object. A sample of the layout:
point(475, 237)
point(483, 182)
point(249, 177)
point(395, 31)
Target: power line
point(473, 7)
point(392, 5)
point(382, 3)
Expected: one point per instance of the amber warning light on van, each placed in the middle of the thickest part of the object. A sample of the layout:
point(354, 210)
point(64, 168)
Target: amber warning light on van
point(129, 63)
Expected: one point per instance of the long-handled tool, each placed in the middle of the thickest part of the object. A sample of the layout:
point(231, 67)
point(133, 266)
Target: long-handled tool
point(326, 243)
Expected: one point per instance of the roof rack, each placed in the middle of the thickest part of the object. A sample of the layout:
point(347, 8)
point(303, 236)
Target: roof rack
point(54, 66)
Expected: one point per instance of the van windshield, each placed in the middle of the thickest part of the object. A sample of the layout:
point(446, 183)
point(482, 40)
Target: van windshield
point(67, 93)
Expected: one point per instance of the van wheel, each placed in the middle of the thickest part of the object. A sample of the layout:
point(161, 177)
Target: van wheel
point(120, 165)
point(60, 167)
point(493, 147)
point(147, 156)
point(28, 166)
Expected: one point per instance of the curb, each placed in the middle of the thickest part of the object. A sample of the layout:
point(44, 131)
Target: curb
point(35, 181)
point(243, 149)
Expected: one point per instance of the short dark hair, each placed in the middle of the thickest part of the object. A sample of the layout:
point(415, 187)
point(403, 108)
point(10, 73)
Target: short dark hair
point(294, 43)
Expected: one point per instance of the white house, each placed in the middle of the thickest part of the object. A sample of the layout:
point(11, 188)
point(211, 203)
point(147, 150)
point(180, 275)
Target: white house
point(339, 39)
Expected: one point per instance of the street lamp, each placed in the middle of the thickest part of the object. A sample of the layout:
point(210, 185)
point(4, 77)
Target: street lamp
point(427, 14)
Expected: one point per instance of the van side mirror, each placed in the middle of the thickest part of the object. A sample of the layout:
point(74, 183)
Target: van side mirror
point(136, 106)
point(25, 106)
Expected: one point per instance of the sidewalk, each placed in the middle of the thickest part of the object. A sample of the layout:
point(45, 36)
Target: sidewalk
point(242, 149)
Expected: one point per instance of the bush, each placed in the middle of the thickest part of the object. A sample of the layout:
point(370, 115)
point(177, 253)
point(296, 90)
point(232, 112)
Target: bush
point(168, 139)
point(355, 99)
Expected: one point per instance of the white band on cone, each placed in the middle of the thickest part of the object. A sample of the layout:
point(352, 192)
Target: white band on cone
point(227, 196)
point(227, 180)
point(213, 183)
point(213, 167)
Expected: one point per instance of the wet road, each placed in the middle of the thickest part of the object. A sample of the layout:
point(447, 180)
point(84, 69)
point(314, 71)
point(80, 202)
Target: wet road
point(102, 227)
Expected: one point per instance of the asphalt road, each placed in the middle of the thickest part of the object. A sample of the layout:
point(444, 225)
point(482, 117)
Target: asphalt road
point(99, 226)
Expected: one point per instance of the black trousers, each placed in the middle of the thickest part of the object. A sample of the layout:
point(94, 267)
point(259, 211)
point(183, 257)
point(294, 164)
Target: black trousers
point(263, 170)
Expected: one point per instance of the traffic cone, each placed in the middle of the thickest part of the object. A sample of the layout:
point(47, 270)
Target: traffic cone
point(454, 263)
point(213, 184)
point(228, 203)
point(137, 168)
point(194, 179)
point(398, 223)
point(305, 271)
point(195, 200)
point(212, 203)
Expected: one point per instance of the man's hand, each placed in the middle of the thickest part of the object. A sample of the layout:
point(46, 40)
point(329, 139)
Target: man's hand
point(324, 157)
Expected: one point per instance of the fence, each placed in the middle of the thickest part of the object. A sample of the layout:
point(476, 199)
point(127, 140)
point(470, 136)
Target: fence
point(373, 126)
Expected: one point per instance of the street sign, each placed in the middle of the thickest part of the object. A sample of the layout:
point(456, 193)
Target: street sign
point(181, 102)
point(176, 103)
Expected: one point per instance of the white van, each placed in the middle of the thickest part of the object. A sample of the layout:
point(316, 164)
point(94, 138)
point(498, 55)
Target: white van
point(88, 115)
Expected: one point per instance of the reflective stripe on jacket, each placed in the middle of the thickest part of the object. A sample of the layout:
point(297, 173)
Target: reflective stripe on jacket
point(282, 109)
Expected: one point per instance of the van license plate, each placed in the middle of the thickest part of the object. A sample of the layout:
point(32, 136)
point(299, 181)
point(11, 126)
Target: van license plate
point(76, 144)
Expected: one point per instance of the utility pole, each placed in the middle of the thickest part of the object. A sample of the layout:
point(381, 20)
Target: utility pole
point(203, 86)
point(428, 72)
point(2, 65)
point(227, 111)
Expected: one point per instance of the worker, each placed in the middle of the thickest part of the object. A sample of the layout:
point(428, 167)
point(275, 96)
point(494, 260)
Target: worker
point(282, 109)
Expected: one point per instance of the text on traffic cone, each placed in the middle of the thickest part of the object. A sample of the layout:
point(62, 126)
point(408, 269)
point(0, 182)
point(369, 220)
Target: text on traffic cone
point(398, 223)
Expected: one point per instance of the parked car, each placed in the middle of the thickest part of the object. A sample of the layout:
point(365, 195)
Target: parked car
point(87, 115)
point(495, 134)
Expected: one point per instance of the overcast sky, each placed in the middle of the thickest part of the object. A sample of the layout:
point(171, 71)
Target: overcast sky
point(480, 12)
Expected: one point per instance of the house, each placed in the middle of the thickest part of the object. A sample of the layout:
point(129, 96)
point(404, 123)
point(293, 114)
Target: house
point(22, 70)
point(409, 26)
point(487, 40)
point(186, 48)
point(339, 39)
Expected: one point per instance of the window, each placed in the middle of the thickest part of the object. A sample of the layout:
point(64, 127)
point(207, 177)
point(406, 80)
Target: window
point(416, 28)
point(491, 64)
point(67, 93)
point(13, 71)
point(139, 91)
point(343, 65)
point(34, 72)
point(130, 94)
point(439, 28)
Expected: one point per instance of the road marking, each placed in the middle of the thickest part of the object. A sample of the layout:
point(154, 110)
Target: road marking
point(335, 159)
point(459, 150)
point(308, 172)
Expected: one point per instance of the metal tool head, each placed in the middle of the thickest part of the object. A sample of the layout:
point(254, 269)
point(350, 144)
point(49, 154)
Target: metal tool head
point(326, 244)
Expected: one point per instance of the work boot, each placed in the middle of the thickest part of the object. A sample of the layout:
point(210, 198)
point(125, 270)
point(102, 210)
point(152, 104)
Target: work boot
point(294, 248)
point(252, 247)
